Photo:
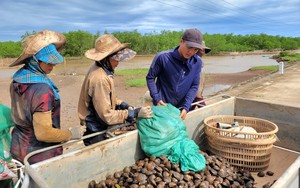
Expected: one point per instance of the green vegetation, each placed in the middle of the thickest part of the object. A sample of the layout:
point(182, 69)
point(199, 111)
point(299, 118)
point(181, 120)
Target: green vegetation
point(266, 68)
point(151, 43)
point(133, 77)
point(140, 82)
point(132, 72)
point(10, 49)
point(289, 57)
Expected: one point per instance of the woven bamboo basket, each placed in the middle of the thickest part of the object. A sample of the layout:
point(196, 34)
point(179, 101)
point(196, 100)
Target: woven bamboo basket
point(249, 151)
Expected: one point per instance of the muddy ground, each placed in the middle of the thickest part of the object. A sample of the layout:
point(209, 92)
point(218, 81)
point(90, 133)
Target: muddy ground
point(70, 88)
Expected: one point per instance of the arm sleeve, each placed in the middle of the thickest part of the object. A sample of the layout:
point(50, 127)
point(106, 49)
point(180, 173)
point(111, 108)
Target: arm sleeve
point(153, 72)
point(43, 130)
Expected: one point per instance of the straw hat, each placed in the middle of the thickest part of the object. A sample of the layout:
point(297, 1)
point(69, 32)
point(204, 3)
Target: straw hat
point(105, 45)
point(34, 43)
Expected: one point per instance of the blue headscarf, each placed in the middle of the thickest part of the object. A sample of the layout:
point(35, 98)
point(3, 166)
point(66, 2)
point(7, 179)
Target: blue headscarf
point(32, 73)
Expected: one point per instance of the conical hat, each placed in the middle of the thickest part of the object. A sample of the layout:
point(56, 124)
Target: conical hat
point(34, 43)
point(105, 45)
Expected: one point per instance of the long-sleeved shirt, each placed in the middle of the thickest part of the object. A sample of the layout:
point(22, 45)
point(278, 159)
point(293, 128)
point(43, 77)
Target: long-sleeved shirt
point(98, 101)
point(174, 79)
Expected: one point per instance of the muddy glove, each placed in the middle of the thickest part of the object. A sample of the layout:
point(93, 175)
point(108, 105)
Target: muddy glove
point(145, 112)
point(77, 132)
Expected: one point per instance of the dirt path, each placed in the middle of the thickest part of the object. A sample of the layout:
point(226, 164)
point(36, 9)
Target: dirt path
point(275, 88)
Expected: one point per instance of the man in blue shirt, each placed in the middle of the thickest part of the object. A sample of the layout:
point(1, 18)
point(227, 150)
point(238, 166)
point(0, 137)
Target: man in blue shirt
point(174, 75)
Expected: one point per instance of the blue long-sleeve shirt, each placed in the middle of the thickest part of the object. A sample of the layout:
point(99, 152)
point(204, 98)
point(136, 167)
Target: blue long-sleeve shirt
point(173, 79)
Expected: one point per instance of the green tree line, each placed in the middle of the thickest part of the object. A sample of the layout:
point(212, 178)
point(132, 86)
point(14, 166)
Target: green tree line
point(151, 43)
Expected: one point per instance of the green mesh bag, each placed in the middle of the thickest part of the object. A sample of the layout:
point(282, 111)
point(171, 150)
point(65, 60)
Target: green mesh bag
point(5, 137)
point(165, 133)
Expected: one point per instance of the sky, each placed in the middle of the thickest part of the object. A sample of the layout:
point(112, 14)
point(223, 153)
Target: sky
point(237, 17)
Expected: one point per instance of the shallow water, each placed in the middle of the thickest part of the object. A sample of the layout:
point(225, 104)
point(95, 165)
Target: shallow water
point(234, 64)
point(212, 64)
point(214, 89)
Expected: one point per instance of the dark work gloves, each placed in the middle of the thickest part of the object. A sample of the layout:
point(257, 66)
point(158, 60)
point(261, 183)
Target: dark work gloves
point(123, 106)
point(132, 114)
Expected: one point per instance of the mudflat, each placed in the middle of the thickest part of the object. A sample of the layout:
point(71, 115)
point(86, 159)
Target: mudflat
point(70, 86)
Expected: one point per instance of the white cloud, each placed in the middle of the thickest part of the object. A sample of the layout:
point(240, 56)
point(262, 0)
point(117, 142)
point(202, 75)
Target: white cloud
point(225, 16)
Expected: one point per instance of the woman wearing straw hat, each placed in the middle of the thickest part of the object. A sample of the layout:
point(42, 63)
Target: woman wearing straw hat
point(35, 101)
point(98, 106)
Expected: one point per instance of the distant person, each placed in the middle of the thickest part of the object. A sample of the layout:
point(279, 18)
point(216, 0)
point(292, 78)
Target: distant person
point(35, 100)
point(199, 96)
point(98, 106)
point(174, 75)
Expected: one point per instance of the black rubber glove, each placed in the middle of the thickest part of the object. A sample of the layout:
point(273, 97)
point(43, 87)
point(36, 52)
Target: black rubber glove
point(124, 106)
point(132, 114)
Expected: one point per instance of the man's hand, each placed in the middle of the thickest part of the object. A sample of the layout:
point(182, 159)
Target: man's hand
point(161, 103)
point(183, 114)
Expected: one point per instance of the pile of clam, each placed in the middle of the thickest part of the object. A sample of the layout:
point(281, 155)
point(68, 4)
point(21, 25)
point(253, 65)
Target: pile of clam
point(128, 128)
point(121, 130)
point(160, 172)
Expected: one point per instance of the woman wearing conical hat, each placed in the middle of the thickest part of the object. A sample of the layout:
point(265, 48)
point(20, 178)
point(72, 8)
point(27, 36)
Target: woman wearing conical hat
point(98, 106)
point(35, 100)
